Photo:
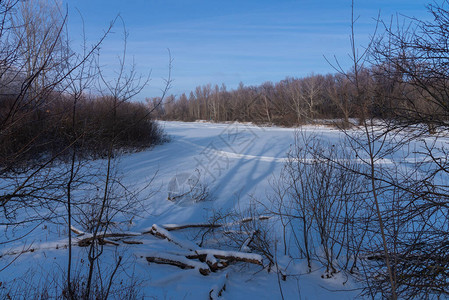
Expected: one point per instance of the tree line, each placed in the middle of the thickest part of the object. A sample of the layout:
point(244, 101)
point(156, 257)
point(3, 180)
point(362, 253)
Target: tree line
point(288, 102)
point(386, 90)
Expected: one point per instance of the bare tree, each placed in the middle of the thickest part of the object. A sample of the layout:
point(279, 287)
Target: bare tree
point(414, 58)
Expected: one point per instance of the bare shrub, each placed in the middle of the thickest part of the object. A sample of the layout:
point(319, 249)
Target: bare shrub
point(49, 126)
point(319, 202)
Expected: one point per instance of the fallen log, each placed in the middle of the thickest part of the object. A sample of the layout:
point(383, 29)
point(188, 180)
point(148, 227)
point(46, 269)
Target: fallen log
point(202, 254)
point(171, 227)
point(178, 261)
point(77, 231)
point(260, 218)
point(213, 263)
point(106, 234)
point(102, 241)
point(118, 234)
point(218, 289)
point(132, 242)
point(102, 237)
point(164, 234)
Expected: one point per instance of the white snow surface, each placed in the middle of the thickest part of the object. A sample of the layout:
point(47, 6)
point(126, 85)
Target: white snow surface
point(237, 162)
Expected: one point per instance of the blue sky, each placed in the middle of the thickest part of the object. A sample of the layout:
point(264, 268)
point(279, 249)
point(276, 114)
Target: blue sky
point(230, 41)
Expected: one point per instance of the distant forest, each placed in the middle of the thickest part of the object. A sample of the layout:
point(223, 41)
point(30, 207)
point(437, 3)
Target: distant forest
point(401, 77)
point(291, 101)
point(295, 101)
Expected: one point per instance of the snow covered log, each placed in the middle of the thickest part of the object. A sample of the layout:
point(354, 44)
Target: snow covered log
point(171, 227)
point(102, 237)
point(203, 254)
point(260, 218)
point(218, 289)
point(178, 261)
point(132, 242)
point(164, 234)
point(101, 240)
point(76, 231)
point(106, 234)
point(214, 263)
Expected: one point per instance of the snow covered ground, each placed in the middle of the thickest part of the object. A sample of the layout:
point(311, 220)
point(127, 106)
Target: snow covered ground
point(236, 163)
